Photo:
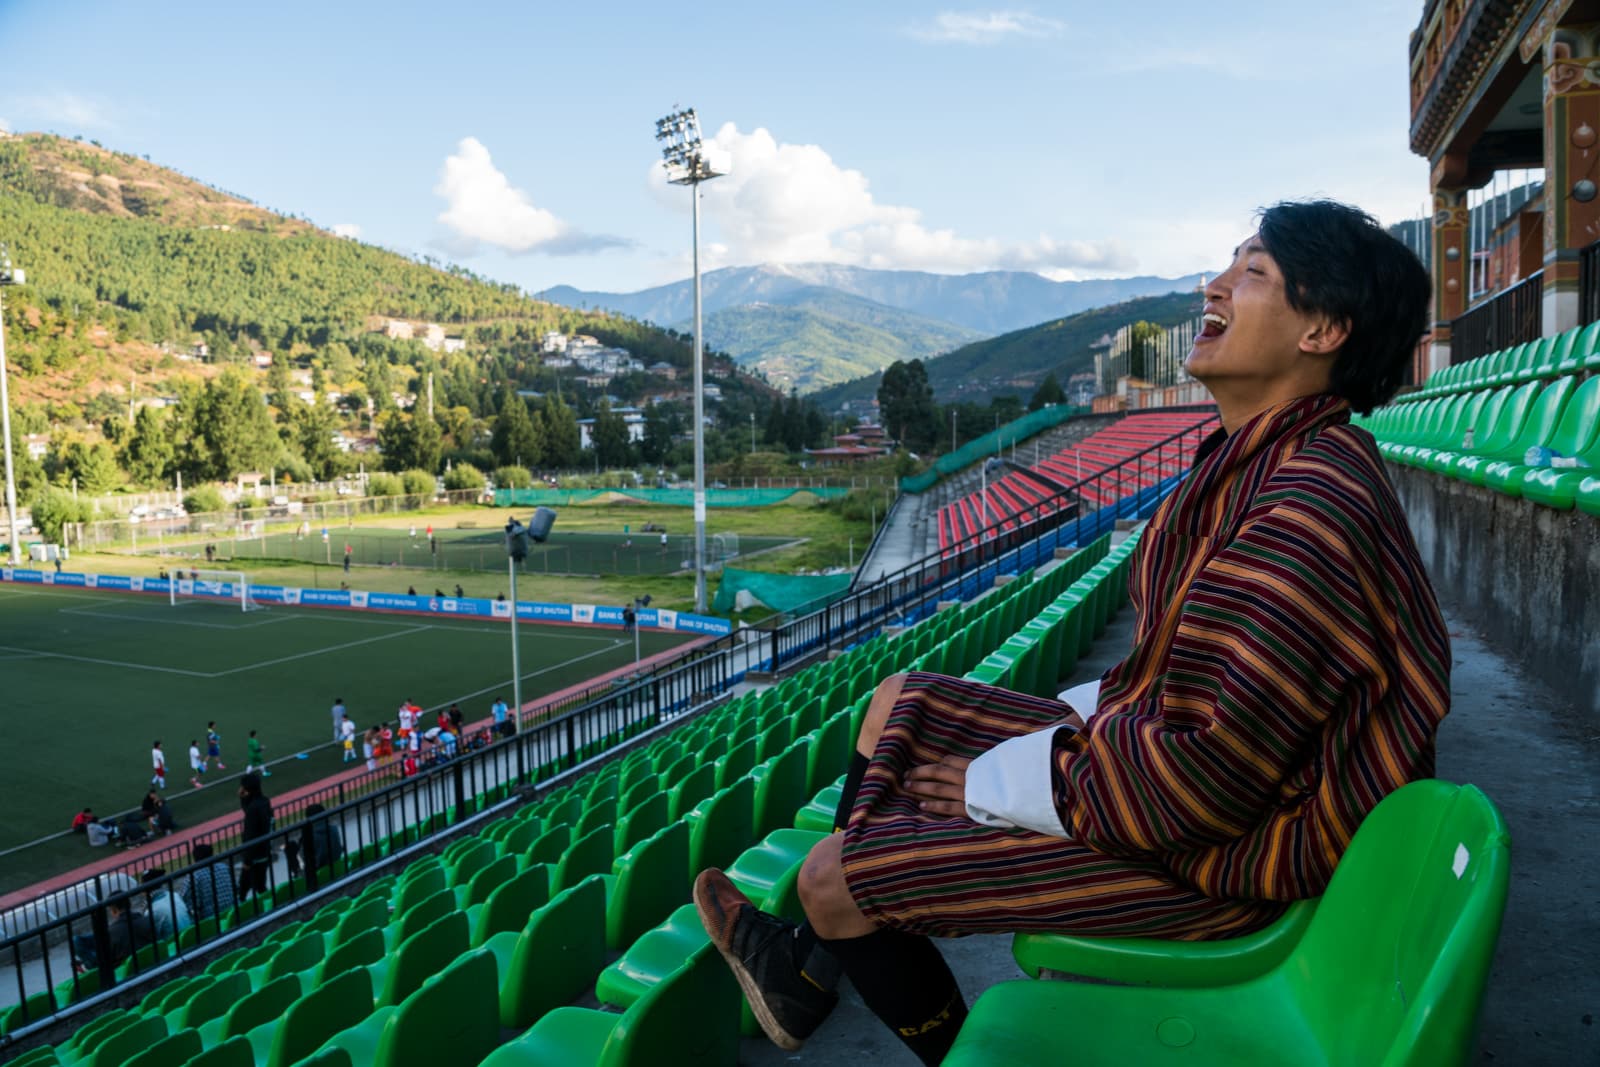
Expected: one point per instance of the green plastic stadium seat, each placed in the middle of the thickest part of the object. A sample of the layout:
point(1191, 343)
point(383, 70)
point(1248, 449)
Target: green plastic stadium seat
point(590, 854)
point(554, 958)
point(602, 812)
point(763, 865)
point(370, 913)
point(721, 826)
point(738, 762)
point(234, 1052)
point(268, 1002)
point(509, 906)
point(1391, 969)
point(359, 952)
point(420, 956)
point(173, 1051)
point(819, 811)
point(691, 790)
point(311, 1020)
point(421, 885)
point(420, 915)
point(1543, 416)
point(127, 1042)
point(1580, 421)
point(639, 822)
point(1147, 961)
point(486, 881)
point(451, 1019)
point(688, 1019)
point(212, 1001)
point(646, 884)
point(550, 846)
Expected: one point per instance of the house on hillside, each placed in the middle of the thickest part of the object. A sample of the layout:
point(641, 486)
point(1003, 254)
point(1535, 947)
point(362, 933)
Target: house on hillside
point(632, 417)
point(397, 330)
point(663, 369)
point(37, 444)
point(554, 341)
point(262, 360)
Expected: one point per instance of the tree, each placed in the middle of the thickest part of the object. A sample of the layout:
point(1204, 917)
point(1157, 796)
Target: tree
point(1049, 392)
point(28, 471)
point(611, 443)
point(93, 467)
point(427, 443)
point(394, 441)
point(906, 399)
point(204, 500)
point(517, 440)
point(313, 432)
point(54, 508)
point(657, 434)
point(563, 443)
point(233, 428)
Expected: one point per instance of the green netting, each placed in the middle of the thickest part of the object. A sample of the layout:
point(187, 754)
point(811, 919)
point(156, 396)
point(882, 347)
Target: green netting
point(780, 592)
point(989, 444)
point(677, 498)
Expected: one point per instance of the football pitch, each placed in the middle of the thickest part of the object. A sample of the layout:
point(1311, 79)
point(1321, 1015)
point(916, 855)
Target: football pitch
point(92, 678)
point(460, 548)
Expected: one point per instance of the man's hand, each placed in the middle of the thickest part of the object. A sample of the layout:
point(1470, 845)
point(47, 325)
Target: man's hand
point(941, 787)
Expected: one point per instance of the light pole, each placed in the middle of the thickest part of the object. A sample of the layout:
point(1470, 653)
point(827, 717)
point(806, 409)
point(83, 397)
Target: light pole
point(631, 617)
point(8, 277)
point(682, 151)
point(752, 433)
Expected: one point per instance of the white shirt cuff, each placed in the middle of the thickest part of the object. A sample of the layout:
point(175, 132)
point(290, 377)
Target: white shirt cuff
point(1085, 698)
point(1010, 785)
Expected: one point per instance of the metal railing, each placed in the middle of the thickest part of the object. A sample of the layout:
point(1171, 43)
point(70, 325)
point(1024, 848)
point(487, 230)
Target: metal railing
point(1508, 318)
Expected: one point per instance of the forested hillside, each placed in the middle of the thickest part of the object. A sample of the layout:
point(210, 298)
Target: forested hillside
point(1016, 362)
point(160, 316)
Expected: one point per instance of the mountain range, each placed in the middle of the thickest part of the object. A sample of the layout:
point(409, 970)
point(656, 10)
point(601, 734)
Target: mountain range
point(812, 325)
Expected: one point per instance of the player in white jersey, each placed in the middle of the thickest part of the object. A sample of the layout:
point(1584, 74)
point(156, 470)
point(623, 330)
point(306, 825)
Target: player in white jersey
point(197, 764)
point(158, 761)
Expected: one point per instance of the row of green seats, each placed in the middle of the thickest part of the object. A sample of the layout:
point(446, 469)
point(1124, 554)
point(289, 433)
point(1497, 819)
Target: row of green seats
point(1484, 437)
point(1573, 352)
point(680, 811)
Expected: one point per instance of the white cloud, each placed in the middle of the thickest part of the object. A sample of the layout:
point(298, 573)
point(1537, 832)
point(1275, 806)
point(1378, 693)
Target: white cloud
point(984, 27)
point(791, 203)
point(63, 109)
point(484, 208)
point(345, 229)
point(5, 127)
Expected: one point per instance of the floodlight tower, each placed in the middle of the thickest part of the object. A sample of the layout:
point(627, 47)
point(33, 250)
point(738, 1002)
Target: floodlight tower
point(8, 276)
point(681, 149)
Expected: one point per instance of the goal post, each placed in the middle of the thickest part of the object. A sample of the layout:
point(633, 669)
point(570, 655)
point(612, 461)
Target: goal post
point(214, 586)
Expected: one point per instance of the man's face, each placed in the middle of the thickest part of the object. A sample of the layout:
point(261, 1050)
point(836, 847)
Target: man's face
point(1250, 333)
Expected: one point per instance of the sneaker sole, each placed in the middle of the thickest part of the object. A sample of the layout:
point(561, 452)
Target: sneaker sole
point(752, 992)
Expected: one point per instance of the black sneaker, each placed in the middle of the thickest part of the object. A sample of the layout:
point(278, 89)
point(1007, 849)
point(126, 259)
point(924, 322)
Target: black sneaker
point(760, 950)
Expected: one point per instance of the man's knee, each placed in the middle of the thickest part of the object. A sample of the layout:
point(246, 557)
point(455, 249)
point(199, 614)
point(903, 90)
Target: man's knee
point(821, 883)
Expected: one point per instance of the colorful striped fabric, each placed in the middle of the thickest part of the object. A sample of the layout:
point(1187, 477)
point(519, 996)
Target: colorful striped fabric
point(1290, 666)
point(946, 876)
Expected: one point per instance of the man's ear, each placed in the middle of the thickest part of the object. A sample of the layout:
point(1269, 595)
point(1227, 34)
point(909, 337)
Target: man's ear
point(1325, 337)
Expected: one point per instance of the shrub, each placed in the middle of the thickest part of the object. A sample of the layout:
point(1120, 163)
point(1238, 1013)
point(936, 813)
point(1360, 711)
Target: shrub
point(54, 508)
point(513, 478)
point(203, 499)
point(463, 476)
point(385, 485)
point(419, 482)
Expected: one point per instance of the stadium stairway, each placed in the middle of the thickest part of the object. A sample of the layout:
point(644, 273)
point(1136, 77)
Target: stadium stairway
point(443, 961)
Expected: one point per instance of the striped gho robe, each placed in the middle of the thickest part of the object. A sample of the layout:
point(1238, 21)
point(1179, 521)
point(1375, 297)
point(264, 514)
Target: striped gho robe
point(1289, 669)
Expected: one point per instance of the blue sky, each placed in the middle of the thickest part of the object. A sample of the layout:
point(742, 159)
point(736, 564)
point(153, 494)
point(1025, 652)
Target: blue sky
point(1075, 139)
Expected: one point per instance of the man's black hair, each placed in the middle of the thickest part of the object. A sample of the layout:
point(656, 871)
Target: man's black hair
point(1337, 261)
point(204, 851)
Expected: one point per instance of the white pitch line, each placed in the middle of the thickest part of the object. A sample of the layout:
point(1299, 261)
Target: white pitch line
point(107, 662)
point(317, 652)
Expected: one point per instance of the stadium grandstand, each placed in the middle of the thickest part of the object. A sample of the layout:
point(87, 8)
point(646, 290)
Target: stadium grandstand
point(527, 903)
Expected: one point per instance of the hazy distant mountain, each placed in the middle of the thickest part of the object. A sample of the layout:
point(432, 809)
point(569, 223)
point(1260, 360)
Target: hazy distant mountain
point(814, 337)
point(991, 302)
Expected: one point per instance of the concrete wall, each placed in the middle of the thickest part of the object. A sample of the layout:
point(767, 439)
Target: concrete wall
point(1527, 576)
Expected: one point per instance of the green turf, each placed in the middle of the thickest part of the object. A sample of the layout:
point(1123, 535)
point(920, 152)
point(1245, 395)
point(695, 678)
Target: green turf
point(92, 677)
point(465, 549)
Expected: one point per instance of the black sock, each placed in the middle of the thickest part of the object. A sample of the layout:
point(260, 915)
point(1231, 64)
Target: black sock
point(852, 782)
point(814, 962)
point(905, 981)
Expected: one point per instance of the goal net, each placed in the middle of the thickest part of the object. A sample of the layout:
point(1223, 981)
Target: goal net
point(723, 547)
point(212, 586)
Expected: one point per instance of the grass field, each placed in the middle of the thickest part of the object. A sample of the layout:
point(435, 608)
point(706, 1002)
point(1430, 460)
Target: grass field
point(91, 678)
point(471, 548)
